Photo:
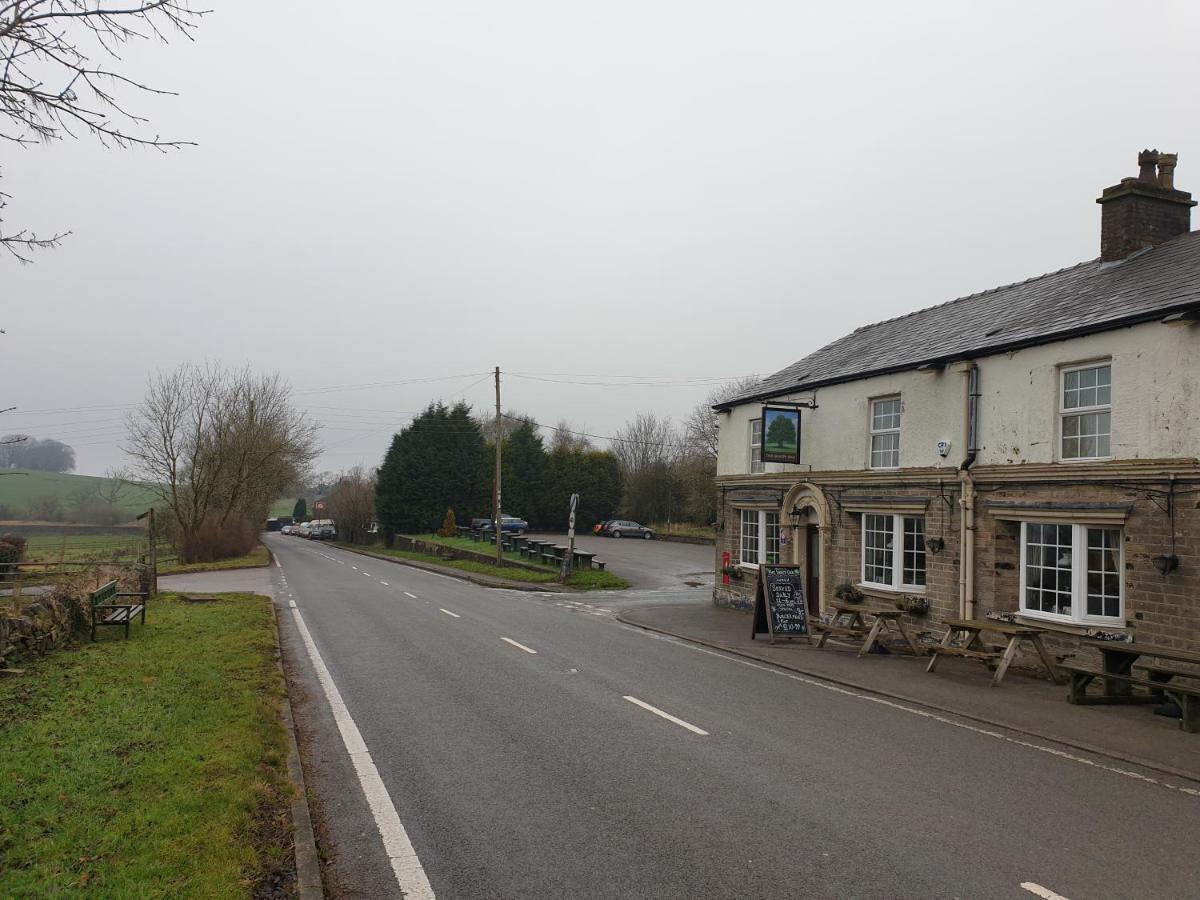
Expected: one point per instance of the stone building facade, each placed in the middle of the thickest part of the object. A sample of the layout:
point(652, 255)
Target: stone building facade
point(1030, 451)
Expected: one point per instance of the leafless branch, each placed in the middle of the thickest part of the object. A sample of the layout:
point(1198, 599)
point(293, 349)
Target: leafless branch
point(58, 78)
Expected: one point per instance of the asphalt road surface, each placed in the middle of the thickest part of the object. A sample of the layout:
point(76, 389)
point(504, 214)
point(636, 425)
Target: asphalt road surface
point(467, 742)
point(649, 565)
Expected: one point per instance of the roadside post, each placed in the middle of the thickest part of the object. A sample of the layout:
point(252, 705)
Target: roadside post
point(569, 556)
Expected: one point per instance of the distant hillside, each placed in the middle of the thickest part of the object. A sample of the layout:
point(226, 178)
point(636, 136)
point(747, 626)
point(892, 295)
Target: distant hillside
point(23, 491)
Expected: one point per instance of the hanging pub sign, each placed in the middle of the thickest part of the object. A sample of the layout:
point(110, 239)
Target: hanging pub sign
point(780, 609)
point(780, 434)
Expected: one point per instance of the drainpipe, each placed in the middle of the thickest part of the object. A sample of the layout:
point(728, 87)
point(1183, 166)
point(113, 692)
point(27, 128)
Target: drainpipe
point(966, 570)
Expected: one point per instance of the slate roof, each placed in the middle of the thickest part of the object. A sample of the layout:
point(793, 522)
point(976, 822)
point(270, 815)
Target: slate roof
point(1085, 298)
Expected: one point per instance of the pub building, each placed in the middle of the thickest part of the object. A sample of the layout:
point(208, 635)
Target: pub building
point(1028, 452)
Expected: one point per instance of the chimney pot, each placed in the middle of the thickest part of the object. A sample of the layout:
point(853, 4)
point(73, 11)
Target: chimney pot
point(1166, 170)
point(1147, 160)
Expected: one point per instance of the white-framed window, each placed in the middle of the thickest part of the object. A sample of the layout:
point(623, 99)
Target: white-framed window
point(756, 463)
point(893, 551)
point(760, 537)
point(1072, 573)
point(885, 433)
point(1085, 412)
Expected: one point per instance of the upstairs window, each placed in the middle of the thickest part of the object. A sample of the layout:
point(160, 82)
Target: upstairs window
point(756, 463)
point(1086, 412)
point(885, 433)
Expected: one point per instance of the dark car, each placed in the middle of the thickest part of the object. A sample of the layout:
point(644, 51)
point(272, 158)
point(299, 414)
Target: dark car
point(508, 525)
point(624, 528)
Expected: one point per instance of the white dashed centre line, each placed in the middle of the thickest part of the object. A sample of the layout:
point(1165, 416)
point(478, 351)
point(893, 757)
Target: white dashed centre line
point(385, 584)
point(519, 646)
point(670, 718)
point(407, 594)
point(447, 612)
point(1044, 893)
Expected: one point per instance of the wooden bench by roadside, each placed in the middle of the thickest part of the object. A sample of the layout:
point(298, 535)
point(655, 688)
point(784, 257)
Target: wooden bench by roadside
point(108, 610)
point(970, 645)
point(1117, 662)
point(848, 622)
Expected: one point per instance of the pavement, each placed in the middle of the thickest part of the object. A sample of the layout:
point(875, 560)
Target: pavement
point(1025, 702)
point(465, 742)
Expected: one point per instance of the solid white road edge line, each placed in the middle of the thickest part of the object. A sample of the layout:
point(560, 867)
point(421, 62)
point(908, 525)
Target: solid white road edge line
point(410, 875)
point(447, 612)
point(1044, 893)
point(519, 646)
point(921, 713)
point(670, 718)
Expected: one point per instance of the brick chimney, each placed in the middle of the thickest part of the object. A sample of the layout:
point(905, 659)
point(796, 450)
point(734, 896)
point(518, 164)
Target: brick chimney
point(1144, 211)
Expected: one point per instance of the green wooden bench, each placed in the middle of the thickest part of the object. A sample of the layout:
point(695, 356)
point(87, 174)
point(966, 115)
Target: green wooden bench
point(107, 608)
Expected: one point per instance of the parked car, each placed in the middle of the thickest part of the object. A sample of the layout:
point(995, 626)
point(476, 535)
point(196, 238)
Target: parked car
point(286, 529)
point(625, 528)
point(508, 525)
point(598, 528)
point(302, 529)
point(322, 530)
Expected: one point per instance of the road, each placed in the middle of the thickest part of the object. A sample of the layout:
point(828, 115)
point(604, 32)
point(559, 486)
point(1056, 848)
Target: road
point(521, 745)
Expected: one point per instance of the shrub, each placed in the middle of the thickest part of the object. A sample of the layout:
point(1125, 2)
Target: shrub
point(12, 548)
point(449, 526)
point(213, 541)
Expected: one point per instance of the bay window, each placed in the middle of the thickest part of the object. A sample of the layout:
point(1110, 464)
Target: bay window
point(893, 551)
point(760, 537)
point(1071, 572)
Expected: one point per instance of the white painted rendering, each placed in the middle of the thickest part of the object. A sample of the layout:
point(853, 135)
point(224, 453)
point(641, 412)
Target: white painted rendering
point(1155, 407)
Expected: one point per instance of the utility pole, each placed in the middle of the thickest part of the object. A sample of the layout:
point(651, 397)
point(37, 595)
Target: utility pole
point(496, 491)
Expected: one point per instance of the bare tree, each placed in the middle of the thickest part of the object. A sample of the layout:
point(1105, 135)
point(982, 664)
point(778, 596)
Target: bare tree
point(217, 446)
point(58, 77)
point(510, 421)
point(700, 426)
point(564, 437)
point(351, 504)
point(649, 440)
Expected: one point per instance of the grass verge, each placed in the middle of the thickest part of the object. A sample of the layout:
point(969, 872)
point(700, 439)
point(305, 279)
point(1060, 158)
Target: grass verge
point(150, 767)
point(255, 558)
point(590, 580)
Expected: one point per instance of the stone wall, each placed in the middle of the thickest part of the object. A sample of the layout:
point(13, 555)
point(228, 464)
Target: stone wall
point(46, 623)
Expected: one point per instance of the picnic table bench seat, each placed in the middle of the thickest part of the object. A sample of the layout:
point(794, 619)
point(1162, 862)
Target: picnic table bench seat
point(848, 622)
point(963, 638)
point(107, 608)
point(1185, 696)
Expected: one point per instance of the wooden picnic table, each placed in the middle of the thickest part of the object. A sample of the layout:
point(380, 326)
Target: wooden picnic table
point(1117, 661)
point(970, 645)
point(848, 621)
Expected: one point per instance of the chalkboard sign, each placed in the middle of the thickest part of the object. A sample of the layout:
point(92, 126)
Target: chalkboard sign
point(780, 609)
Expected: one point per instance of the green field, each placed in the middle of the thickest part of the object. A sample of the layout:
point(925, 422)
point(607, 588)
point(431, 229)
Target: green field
point(19, 488)
point(282, 507)
point(150, 767)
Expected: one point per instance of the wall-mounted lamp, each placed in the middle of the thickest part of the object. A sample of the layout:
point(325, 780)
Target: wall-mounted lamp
point(1166, 564)
point(935, 545)
point(797, 514)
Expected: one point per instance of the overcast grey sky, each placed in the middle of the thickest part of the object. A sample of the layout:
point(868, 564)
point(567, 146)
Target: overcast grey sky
point(392, 191)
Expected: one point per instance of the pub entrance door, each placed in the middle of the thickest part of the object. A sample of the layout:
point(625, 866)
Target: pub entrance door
point(812, 570)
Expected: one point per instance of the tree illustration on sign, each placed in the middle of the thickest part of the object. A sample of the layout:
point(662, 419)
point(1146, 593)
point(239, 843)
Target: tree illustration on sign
point(781, 438)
